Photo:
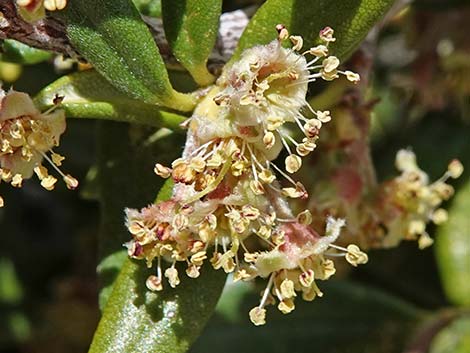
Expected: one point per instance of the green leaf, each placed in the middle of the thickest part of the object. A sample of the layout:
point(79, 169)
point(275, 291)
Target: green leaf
point(151, 8)
point(349, 318)
point(88, 95)
point(112, 36)
point(191, 28)
point(11, 291)
point(351, 21)
point(14, 326)
point(137, 320)
point(108, 270)
point(16, 52)
point(166, 191)
point(453, 249)
point(455, 338)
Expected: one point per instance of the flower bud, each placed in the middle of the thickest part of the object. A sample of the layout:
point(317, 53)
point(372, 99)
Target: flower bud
point(455, 169)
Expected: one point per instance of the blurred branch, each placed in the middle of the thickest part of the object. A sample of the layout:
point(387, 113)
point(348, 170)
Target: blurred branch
point(50, 34)
point(423, 339)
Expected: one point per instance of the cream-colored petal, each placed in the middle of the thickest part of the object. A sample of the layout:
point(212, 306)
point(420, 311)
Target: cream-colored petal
point(16, 104)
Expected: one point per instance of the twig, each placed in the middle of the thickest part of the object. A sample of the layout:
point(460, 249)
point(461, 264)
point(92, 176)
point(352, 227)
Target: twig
point(50, 34)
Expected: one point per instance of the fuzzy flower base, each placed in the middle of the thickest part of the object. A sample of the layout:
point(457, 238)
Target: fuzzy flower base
point(227, 194)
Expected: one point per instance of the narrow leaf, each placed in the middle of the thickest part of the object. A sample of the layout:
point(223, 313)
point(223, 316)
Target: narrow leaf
point(16, 52)
point(191, 29)
point(112, 36)
point(88, 95)
point(351, 21)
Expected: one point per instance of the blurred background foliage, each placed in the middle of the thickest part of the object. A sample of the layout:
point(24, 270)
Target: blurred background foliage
point(403, 299)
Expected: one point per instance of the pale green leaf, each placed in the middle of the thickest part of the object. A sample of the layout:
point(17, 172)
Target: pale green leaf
point(17, 52)
point(88, 95)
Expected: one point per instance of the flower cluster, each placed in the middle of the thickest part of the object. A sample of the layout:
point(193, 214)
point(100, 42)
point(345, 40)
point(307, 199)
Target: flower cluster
point(228, 195)
point(34, 10)
point(28, 136)
point(383, 215)
point(408, 202)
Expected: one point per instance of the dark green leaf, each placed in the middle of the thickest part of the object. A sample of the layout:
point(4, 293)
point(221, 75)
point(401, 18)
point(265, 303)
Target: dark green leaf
point(112, 36)
point(453, 249)
point(349, 318)
point(88, 95)
point(350, 19)
point(20, 53)
point(191, 29)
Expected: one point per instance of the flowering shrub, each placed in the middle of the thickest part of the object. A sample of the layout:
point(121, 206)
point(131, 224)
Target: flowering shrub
point(226, 191)
point(274, 187)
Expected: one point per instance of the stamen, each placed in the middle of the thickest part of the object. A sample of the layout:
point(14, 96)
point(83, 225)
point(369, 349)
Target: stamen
point(313, 61)
point(284, 142)
point(207, 144)
point(282, 173)
point(211, 187)
point(70, 181)
point(253, 157)
point(286, 220)
point(337, 247)
point(259, 236)
point(292, 140)
point(266, 292)
point(159, 268)
point(298, 119)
